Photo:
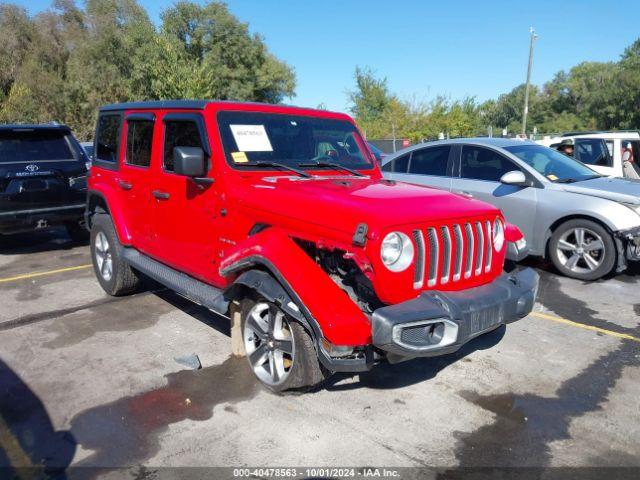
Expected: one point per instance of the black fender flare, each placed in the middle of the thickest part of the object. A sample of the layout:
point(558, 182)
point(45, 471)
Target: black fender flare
point(267, 284)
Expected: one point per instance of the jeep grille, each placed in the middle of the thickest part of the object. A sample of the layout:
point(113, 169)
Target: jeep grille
point(450, 252)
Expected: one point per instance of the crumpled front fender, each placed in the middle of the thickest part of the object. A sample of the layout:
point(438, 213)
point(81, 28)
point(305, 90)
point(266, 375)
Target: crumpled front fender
point(326, 306)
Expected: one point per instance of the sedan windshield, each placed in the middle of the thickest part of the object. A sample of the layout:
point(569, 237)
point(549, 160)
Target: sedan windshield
point(262, 140)
point(555, 166)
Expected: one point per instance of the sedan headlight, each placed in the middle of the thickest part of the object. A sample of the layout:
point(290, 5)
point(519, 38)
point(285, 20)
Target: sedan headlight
point(396, 251)
point(498, 235)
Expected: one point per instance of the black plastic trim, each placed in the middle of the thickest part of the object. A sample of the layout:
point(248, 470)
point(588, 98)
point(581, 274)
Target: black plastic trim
point(189, 287)
point(512, 296)
point(65, 208)
point(156, 105)
point(330, 363)
point(149, 117)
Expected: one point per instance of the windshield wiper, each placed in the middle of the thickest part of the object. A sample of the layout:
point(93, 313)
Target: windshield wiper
point(574, 180)
point(335, 166)
point(275, 164)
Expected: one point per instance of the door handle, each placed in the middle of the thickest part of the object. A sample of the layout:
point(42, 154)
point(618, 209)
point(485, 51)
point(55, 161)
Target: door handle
point(125, 185)
point(160, 195)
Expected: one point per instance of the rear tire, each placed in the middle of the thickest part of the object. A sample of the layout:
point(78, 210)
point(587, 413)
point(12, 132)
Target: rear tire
point(582, 249)
point(275, 341)
point(115, 275)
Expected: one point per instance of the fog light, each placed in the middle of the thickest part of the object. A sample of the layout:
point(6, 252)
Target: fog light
point(521, 244)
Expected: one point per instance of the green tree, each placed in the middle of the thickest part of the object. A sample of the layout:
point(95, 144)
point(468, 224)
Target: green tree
point(62, 64)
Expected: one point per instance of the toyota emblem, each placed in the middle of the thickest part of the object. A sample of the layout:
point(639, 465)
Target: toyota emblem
point(32, 168)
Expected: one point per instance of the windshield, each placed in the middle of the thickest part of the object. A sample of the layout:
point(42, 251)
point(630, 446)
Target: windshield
point(555, 166)
point(19, 146)
point(291, 140)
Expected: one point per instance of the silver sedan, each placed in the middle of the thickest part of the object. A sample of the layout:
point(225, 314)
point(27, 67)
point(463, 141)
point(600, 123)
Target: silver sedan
point(588, 225)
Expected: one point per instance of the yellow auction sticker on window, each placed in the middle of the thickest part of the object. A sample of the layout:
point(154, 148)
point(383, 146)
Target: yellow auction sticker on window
point(552, 177)
point(239, 157)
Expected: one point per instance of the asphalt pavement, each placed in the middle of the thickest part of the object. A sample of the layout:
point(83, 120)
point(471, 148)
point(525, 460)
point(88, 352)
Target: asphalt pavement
point(91, 380)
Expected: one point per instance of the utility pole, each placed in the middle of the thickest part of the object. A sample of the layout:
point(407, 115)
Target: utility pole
point(526, 90)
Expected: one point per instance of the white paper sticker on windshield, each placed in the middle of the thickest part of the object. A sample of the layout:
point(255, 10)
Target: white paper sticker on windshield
point(251, 138)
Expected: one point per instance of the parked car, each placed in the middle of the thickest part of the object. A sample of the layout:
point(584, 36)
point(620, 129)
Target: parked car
point(615, 154)
point(379, 154)
point(278, 217)
point(43, 179)
point(587, 224)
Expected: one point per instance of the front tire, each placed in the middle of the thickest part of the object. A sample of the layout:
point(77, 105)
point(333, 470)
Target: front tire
point(115, 275)
point(280, 351)
point(582, 249)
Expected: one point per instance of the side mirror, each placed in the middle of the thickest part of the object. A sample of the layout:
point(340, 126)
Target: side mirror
point(189, 161)
point(514, 177)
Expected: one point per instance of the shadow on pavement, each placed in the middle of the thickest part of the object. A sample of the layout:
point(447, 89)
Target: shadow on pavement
point(387, 376)
point(37, 241)
point(28, 439)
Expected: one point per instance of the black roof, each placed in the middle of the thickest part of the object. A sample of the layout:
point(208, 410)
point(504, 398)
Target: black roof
point(176, 104)
point(34, 126)
point(157, 104)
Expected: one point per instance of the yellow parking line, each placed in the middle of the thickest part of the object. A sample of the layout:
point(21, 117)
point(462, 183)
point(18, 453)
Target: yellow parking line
point(604, 331)
point(42, 274)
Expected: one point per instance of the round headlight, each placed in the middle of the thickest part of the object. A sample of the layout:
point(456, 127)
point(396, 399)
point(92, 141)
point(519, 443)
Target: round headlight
point(396, 251)
point(498, 235)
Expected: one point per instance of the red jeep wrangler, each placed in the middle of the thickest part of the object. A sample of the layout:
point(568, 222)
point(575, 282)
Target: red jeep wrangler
point(279, 218)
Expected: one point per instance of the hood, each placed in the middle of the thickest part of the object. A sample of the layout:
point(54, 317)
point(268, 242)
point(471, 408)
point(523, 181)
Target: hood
point(617, 189)
point(344, 202)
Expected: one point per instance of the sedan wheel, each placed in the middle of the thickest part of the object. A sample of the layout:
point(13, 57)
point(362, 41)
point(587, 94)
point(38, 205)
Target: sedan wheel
point(269, 343)
point(581, 250)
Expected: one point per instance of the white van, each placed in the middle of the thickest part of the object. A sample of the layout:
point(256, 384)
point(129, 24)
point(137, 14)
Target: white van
point(615, 154)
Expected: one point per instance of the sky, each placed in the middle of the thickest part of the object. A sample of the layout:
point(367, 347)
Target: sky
point(428, 48)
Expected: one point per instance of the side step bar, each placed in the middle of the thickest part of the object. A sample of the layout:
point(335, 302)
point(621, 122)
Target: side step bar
point(184, 285)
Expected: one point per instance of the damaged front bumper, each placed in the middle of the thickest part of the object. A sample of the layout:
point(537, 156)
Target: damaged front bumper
point(629, 244)
point(437, 323)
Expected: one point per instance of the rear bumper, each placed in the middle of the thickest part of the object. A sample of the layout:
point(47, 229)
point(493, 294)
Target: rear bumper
point(17, 221)
point(437, 323)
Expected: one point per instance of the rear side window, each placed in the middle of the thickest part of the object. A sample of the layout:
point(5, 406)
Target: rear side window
point(139, 138)
point(399, 165)
point(481, 163)
point(33, 146)
point(430, 161)
point(108, 138)
point(179, 134)
point(593, 151)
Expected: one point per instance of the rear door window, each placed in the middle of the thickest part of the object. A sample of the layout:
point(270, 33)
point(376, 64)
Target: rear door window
point(139, 139)
point(593, 151)
point(179, 133)
point(481, 163)
point(108, 138)
point(33, 145)
point(399, 165)
point(430, 161)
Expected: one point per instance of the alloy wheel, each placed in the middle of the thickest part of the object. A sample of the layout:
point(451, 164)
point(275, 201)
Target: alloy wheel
point(104, 260)
point(581, 250)
point(268, 341)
